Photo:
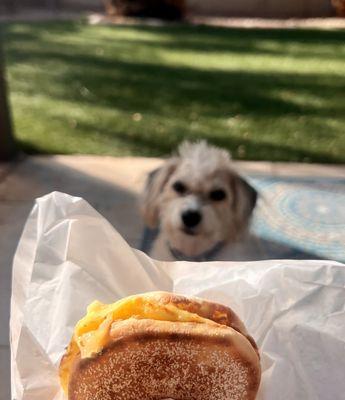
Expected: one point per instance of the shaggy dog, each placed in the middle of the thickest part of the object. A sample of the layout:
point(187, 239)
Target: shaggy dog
point(200, 204)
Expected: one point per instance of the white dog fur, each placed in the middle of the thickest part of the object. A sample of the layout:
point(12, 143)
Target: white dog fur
point(201, 206)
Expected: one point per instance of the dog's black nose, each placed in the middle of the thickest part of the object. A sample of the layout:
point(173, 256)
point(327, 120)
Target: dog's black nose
point(191, 218)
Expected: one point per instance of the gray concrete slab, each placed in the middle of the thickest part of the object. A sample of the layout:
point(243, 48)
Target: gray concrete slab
point(5, 390)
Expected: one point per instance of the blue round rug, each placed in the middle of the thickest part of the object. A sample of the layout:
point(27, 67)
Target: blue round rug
point(306, 214)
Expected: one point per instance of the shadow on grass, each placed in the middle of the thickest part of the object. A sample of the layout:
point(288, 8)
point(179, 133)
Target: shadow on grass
point(191, 37)
point(122, 81)
point(126, 85)
point(155, 145)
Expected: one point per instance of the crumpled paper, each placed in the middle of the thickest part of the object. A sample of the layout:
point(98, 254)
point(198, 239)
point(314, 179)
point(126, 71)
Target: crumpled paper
point(69, 255)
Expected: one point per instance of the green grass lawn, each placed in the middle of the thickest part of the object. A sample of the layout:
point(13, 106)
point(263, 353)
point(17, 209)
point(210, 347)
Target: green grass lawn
point(140, 90)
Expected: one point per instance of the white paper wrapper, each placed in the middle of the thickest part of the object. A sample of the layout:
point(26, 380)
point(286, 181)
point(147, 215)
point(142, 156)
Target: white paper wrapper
point(69, 255)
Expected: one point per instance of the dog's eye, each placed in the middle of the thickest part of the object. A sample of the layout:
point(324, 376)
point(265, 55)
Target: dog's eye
point(217, 195)
point(179, 187)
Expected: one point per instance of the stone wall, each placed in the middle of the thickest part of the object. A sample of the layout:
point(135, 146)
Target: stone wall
point(224, 8)
point(262, 8)
point(64, 5)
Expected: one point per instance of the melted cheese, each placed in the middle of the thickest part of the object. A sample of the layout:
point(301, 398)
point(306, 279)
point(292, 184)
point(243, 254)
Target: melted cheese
point(92, 333)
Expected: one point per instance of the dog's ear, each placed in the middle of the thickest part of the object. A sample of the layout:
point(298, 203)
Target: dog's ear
point(155, 183)
point(244, 198)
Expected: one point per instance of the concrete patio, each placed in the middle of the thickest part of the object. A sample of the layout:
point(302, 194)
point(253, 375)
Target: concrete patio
point(111, 185)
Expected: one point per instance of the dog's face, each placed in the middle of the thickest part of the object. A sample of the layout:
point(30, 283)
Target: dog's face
point(198, 200)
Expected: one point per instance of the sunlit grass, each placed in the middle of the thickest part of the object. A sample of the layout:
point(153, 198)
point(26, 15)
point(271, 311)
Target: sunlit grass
point(120, 90)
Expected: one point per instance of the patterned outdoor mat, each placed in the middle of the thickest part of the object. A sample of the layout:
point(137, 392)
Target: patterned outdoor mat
point(304, 215)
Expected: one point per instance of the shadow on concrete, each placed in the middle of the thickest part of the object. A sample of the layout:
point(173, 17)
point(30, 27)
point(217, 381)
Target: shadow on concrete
point(33, 178)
